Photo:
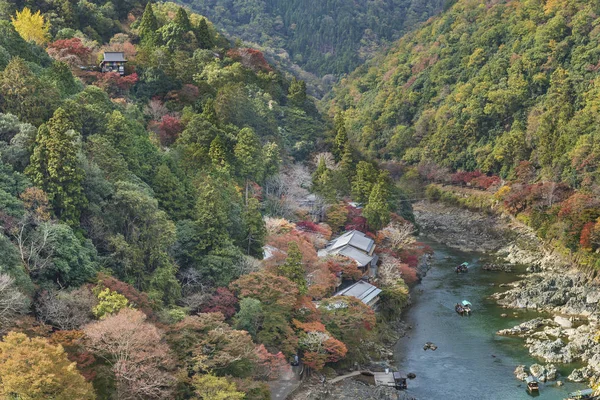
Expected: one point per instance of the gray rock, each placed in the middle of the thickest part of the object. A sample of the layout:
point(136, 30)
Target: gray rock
point(581, 374)
point(562, 321)
point(521, 373)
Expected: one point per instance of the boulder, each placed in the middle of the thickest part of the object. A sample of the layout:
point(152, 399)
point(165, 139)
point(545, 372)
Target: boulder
point(563, 322)
point(592, 297)
point(551, 372)
point(581, 374)
point(521, 372)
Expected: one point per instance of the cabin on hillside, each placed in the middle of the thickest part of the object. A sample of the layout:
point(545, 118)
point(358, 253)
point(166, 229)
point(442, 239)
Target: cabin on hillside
point(114, 61)
point(363, 291)
point(356, 246)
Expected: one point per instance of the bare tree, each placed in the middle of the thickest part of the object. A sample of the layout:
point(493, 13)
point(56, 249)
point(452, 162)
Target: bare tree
point(399, 234)
point(389, 271)
point(12, 301)
point(66, 310)
point(135, 349)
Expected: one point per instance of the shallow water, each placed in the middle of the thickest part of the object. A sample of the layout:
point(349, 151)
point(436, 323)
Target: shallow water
point(471, 361)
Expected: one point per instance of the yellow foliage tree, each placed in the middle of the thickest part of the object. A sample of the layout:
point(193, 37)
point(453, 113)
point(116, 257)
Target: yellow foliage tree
point(32, 27)
point(33, 369)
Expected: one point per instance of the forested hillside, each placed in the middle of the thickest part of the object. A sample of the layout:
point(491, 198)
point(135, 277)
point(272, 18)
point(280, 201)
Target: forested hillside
point(485, 86)
point(323, 37)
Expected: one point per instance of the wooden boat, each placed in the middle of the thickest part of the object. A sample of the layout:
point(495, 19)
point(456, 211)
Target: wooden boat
point(466, 305)
point(532, 384)
point(462, 268)
point(586, 394)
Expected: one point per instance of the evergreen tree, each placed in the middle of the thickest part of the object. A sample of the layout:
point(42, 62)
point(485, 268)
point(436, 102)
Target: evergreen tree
point(170, 193)
point(203, 36)
point(148, 26)
point(297, 92)
point(271, 159)
point(183, 20)
point(377, 211)
point(55, 168)
point(348, 163)
point(293, 268)
point(248, 154)
point(322, 182)
point(255, 229)
point(362, 184)
point(219, 155)
point(341, 137)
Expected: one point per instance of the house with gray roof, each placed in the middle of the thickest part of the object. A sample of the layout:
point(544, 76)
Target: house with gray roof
point(356, 246)
point(363, 291)
point(113, 61)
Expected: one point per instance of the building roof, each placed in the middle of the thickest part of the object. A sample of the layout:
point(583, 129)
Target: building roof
point(114, 56)
point(362, 290)
point(361, 258)
point(353, 238)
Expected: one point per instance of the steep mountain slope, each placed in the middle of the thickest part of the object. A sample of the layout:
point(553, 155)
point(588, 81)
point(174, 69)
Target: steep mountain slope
point(486, 85)
point(323, 37)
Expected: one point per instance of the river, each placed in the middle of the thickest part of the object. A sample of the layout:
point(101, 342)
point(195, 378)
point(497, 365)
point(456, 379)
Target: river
point(471, 361)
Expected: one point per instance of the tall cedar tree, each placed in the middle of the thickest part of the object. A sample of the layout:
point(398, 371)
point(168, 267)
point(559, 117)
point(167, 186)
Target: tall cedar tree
point(341, 137)
point(293, 268)
point(56, 169)
point(256, 231)
point(248, 153)
point(182, 20)
point(377, 211)
point(203, 35)
point(148, 26)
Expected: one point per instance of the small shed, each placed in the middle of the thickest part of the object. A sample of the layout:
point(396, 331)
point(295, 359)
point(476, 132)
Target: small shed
point(113, 61)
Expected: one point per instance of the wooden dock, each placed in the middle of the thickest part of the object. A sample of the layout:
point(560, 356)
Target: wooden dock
point(383, 379)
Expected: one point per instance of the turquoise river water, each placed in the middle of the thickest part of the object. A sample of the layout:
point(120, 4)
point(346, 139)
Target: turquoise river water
point(471, 361)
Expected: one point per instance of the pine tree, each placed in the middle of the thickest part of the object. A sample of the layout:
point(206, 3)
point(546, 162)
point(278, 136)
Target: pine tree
point(322, 182)
point(55, 168)
point(248, 154)
point(341, 137)
point(203, 36)
point(148, 26)
point(377, 211)
point(362, 184)
point(297, 93)
point(182, 20)
point(293, 268)
point(219, 155)
point(170, 193)
point(255, 228)
point(348, 163)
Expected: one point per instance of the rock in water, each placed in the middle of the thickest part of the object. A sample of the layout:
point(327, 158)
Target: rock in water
point(521, 373)
point(411, 375)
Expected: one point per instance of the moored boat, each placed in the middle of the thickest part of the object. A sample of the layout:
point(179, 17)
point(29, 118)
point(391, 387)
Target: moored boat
point(466, 305)
point(462, 268)
point(532, 384)
point(586, 394)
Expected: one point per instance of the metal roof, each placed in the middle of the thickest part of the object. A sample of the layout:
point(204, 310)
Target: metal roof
point(362, 290)
point(114, 56)
point(361, 258)
point(355, 239)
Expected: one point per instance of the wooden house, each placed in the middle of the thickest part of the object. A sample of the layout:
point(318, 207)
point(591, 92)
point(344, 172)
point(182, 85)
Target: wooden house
point(114, 61)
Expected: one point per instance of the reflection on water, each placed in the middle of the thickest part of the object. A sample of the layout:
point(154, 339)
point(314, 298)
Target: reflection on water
point(471, 361)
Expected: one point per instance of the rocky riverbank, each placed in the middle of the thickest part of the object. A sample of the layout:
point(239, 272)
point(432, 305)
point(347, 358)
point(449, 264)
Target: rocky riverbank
point(551, 285)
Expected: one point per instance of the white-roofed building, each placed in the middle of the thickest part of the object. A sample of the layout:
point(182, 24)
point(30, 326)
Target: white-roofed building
point(356, 246)
point(363, 291)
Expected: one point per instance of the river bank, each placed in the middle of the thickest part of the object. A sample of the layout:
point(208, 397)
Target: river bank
point(550, 285)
